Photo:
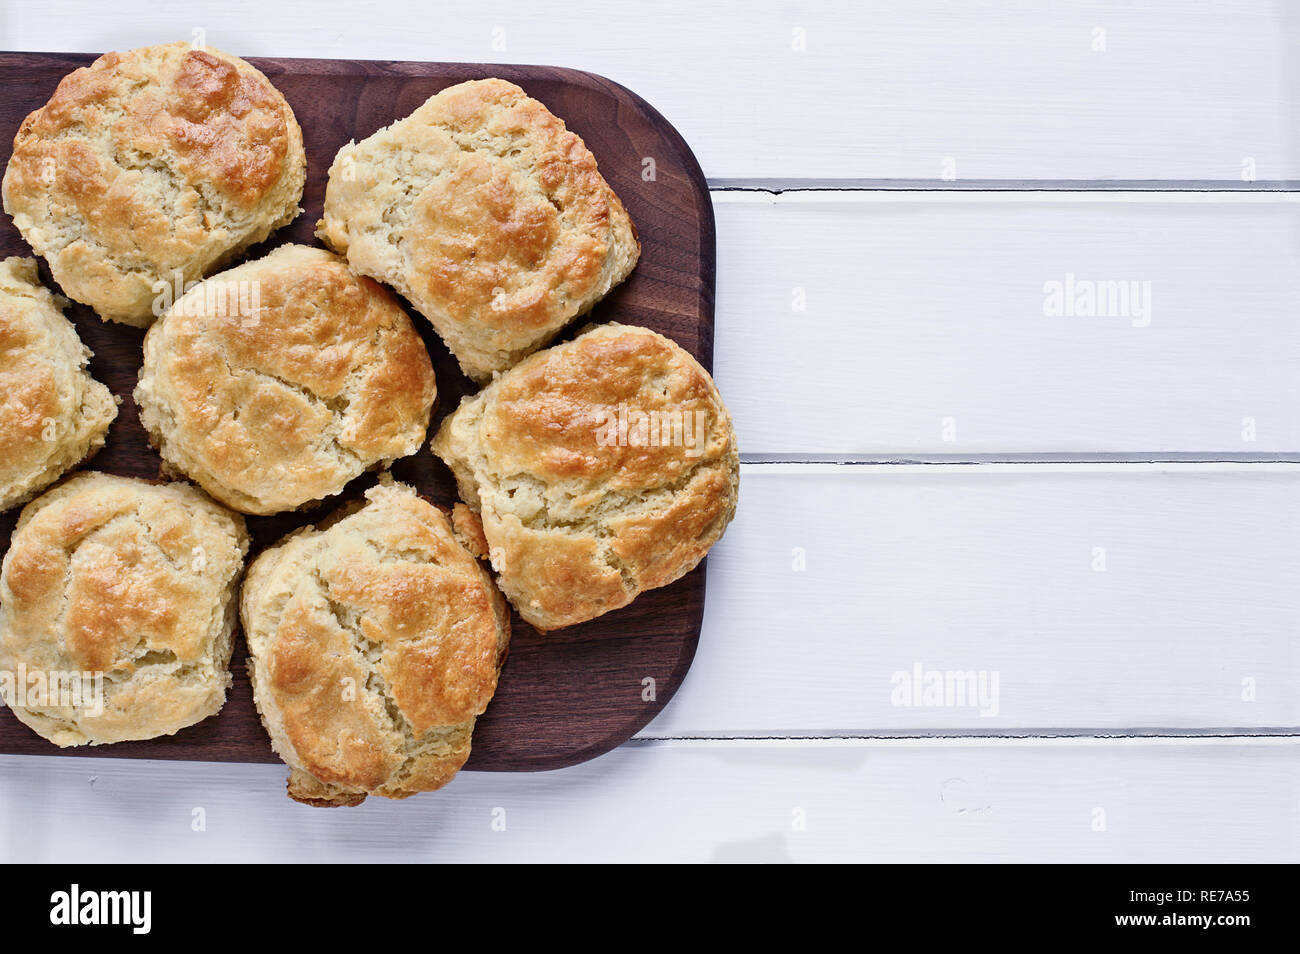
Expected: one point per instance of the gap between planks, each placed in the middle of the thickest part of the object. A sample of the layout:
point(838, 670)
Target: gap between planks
point(1004, 190)
point(940, 739)
point(793, 464)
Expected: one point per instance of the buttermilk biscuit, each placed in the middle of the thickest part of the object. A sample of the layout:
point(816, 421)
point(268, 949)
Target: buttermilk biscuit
point(275, 383)
point(127, 589)
point(487, 214)
point(53, 414)
point(160, 162)
point(601, 468)
point(374, 642)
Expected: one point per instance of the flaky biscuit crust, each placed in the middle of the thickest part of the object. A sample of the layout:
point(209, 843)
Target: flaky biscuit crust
point(375, 640)
point(579, 520)
point(53, 414)
point(130, 579)
point(487, 214)
point(146, 163)
point(274, 408)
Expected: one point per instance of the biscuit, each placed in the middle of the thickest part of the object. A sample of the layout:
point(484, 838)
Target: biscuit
point(601, 468)
point(375, 640)
point(53, 414)
point(487, 214)
point(128, 589)
point(144, 166)
point(275, 383)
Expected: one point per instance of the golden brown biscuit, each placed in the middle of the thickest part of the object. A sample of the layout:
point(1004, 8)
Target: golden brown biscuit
point(126, 590)
point(374, 642)
point(151, 168)
point(53, 414)
point(487, 214)
point(601, 468)
point(275, 402)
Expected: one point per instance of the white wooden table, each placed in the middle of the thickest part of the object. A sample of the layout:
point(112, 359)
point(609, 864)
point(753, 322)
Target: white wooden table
point(948, 470)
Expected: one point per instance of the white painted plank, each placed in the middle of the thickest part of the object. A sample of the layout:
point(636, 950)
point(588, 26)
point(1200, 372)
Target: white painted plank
point(1218, 802)
point(1008, 90)
point(930, 325)
point(1192, 623)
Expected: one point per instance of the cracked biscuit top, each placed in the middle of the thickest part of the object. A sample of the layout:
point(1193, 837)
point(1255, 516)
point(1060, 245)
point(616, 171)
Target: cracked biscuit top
point(600, 468)
point(487, 214)
point(375, 640)
point(129, 580)
point(275, 383)
point(160, 160)
point(53, 414)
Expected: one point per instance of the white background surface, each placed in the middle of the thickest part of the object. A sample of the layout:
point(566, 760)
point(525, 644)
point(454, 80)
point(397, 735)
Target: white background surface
point(1107, 512)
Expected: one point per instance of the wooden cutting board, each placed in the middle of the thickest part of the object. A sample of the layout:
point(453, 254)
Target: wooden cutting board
point(563, 698)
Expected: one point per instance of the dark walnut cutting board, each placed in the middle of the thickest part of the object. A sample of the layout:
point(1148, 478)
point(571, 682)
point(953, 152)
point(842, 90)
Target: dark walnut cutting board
point(563, 698)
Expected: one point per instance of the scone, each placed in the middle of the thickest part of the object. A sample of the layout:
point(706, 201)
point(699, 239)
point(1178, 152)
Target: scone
point(487, 214)
point(117, 609)
point(53, 414)
point(601, 468)
point(149, 169)
point(275, 383)
point(374, 642)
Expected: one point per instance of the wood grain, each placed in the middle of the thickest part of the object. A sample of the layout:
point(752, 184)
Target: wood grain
point(563, 698)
